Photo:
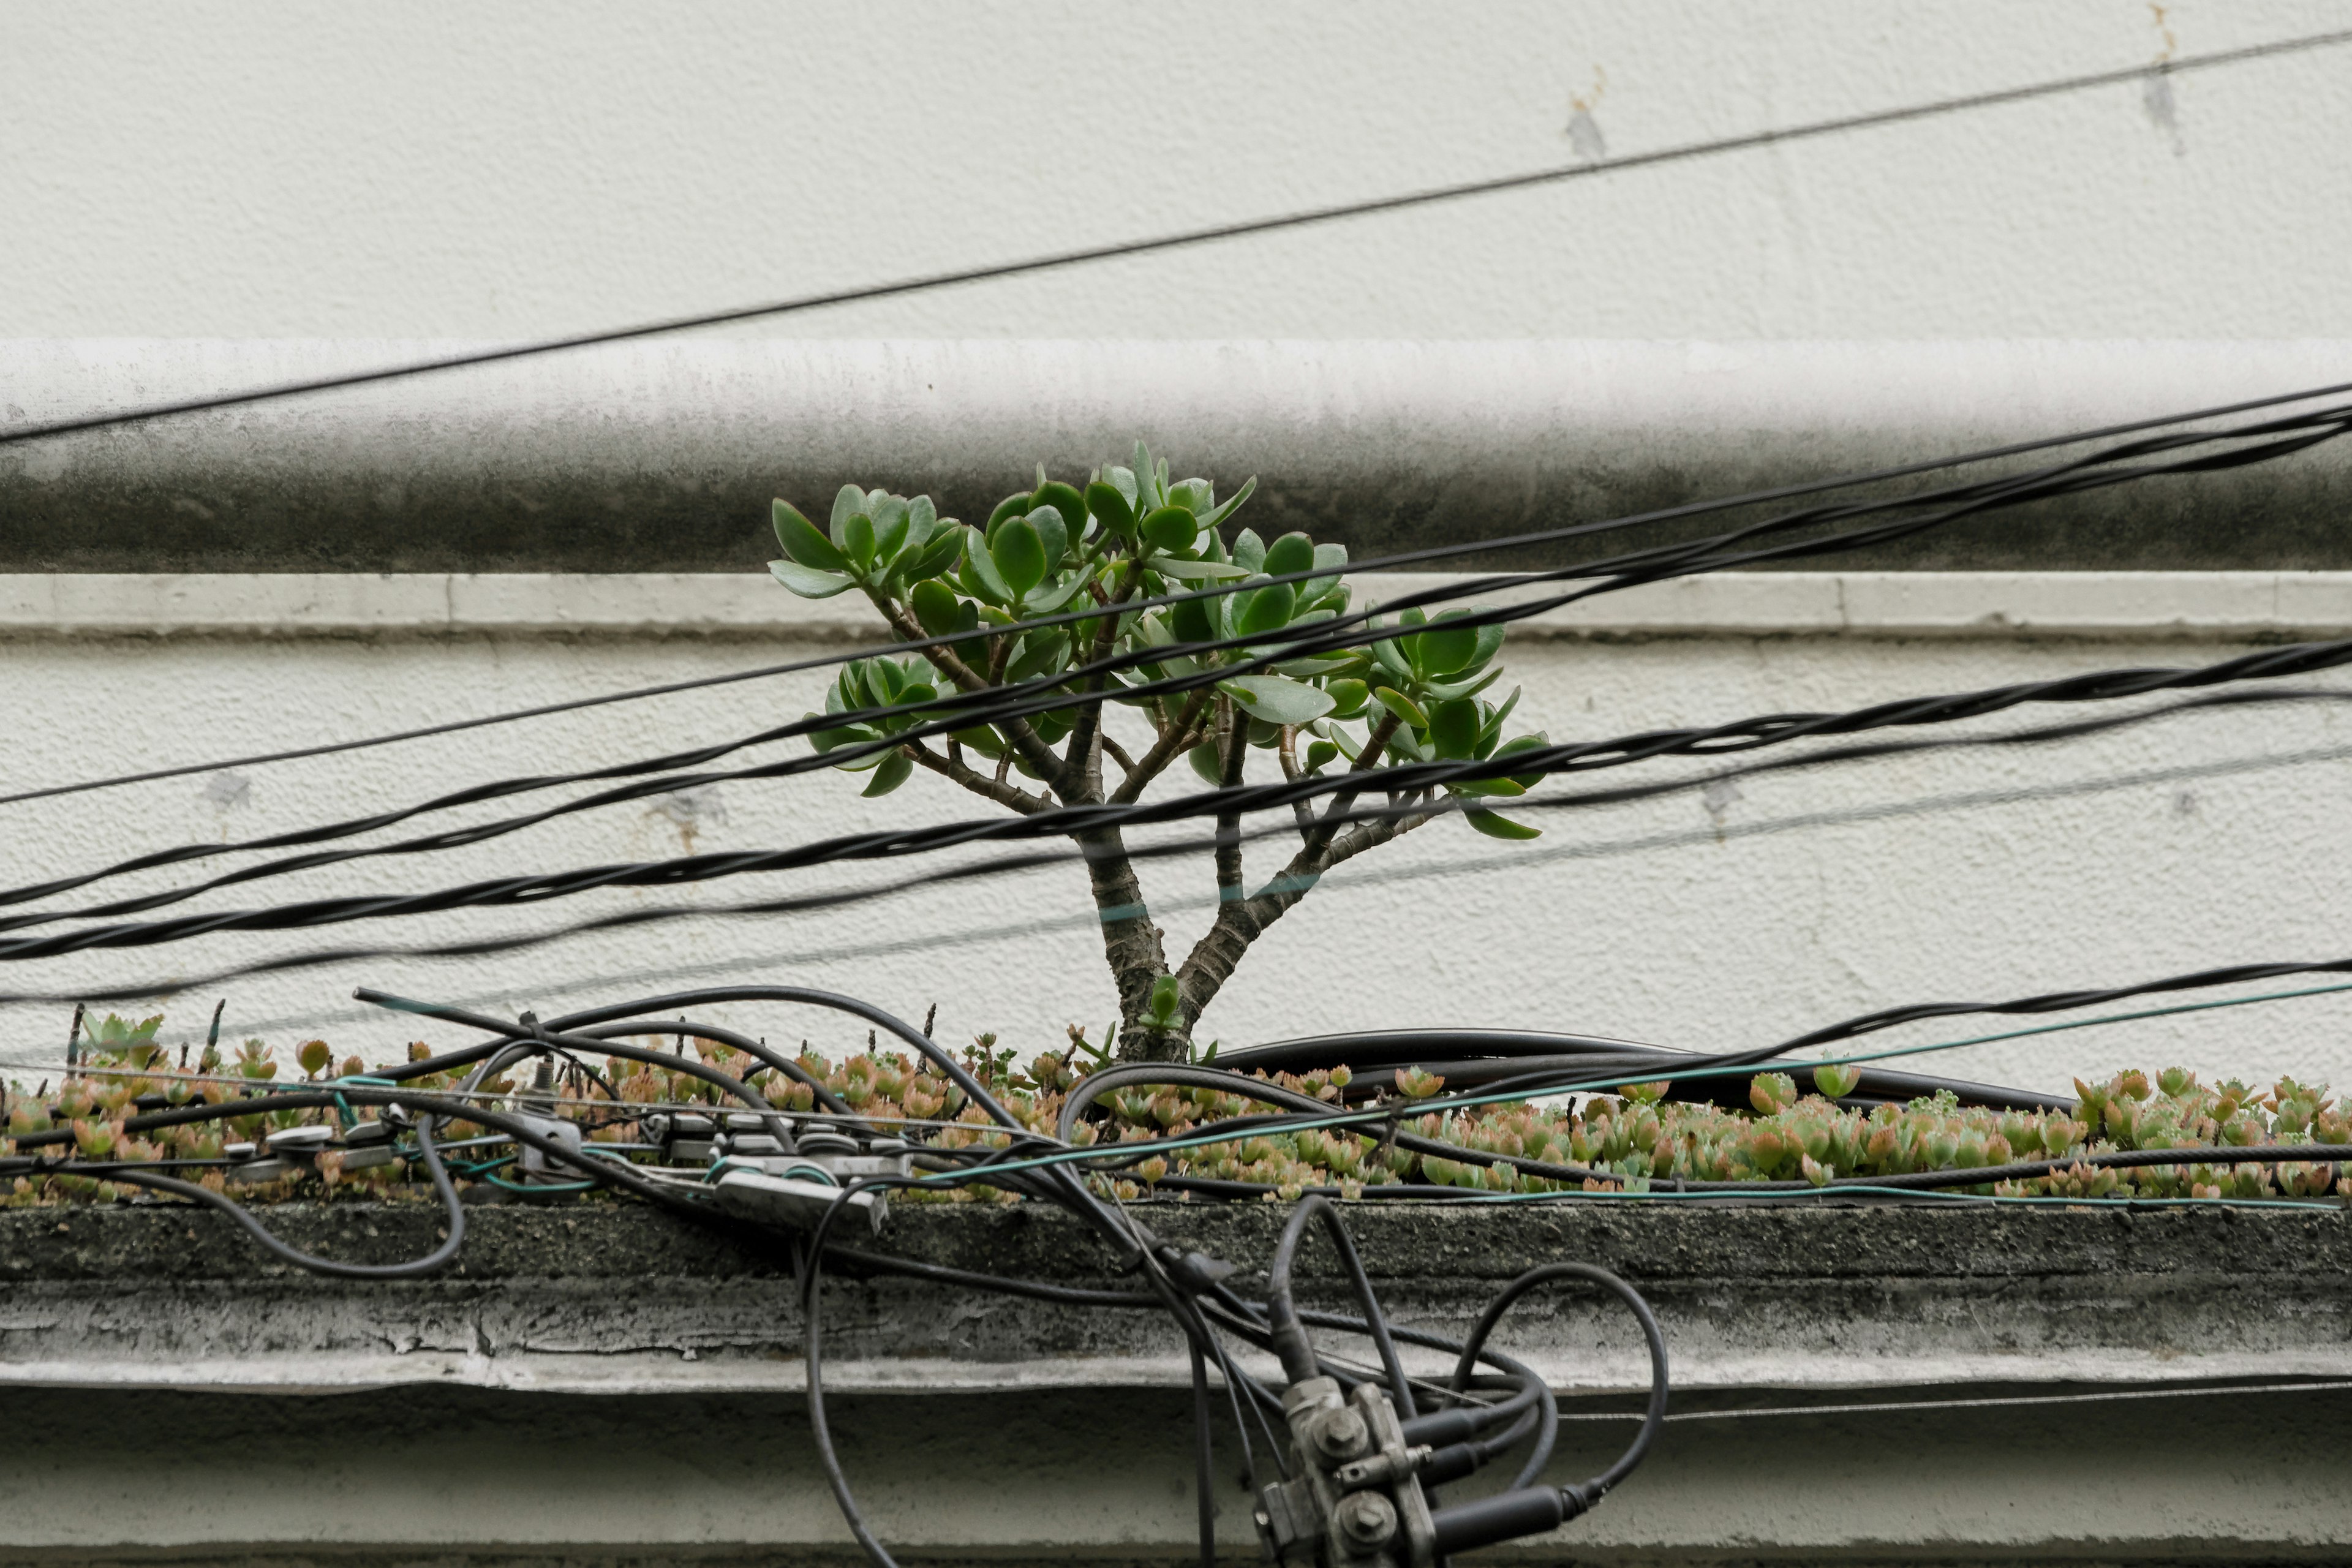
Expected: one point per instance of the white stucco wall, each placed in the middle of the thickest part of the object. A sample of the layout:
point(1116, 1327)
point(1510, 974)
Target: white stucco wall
point(446, 169)
point(445, 172)
point(1707, 920)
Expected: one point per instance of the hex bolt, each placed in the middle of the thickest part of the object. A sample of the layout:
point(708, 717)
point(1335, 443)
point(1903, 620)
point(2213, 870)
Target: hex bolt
point(1339, 1435)
point(1367, 1520)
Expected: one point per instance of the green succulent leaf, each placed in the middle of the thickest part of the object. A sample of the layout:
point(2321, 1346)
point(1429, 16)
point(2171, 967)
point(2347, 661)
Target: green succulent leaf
point(934, 604)
point(1053, 526)
point(847, 503)
point(1444, 649)
point(1172, 527)
point(1249, 550)
point(1206, 762)
point(1348, 697)
point(1233, 503)
point(1453, 728)
point(802, 542)
point(1403, 706)
point(1320, 752)
point(1291, 553)
point(894, 769)
point(979, 573)
point(1066, 502)
point(858, 541)
point(1011, 506)
point(1494, 826)
point(1269, 610)
point(936, 556)
point(1276, 698)
point(806, 581)
point(1112, 508)
point(1524, 744)
point(1197, 571)
point(1019, 555)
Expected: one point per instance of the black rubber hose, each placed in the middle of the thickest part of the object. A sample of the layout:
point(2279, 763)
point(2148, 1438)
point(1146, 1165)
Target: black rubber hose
point(442, 1188)
point(1596, 1489)
point(1290, 1341)
point(1204, 1457)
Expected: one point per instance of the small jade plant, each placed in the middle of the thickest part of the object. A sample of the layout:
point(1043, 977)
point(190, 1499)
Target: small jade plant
point(1130, 534)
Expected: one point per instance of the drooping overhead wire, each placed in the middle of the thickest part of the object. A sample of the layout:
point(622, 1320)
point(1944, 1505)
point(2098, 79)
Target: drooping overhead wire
point(997, 828)
point(1184, 240)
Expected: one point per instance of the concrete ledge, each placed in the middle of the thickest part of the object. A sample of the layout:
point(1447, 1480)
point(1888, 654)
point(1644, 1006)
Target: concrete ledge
point(171, 1396)
point(1821, 1297)
point(2211, 606)
point(662, 456)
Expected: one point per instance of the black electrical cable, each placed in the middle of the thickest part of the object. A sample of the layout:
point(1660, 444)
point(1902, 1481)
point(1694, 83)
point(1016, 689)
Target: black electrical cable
point(1659, 1377)
point(1306, 217)
point(963, 709)
point(453, 1216)
point(1032, 859)
point(1408, 558)
point(1740, 735)
point(1290, 1343)
point(1204, 1457)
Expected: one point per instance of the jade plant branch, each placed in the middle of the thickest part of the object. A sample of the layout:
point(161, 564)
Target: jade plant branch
point(1130, 534)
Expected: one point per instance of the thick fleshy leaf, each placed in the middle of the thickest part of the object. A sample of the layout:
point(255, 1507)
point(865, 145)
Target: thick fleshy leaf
point(1249, 550)
point(803, 541)
point(890, 528)
point(1011, 506)
point(1276, 698)
point(1172, 527)
point(1233, 503)
point(1453, 728)
point(1196, 571)
point(1067, 501)
point(894, 772)
point(934, 604)
point(1348, 697)
point(1204, 762)
point(1109, 503)
point(981, 574)
point(1045, 600)
point(849, 503)
point(806, 581)
point(1054, 525)
point(922, 522)
point(934, 557)
point(1269, 610)
point(1445, 648)
point(1403, 706)
point(1493, 826)
point(858, 541)
point(1291, 553)
point(1019, 555)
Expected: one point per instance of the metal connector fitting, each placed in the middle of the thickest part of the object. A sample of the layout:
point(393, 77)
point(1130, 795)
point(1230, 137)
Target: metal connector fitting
point(1383, 1469)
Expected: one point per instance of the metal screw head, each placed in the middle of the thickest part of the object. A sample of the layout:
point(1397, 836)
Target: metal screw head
point(1368, 1520)
point(1339, 1435)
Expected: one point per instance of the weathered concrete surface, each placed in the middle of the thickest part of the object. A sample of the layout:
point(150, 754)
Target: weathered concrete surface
point(599, 1385)
point(597, 1297)
point(662, 457)
point(607, 1386)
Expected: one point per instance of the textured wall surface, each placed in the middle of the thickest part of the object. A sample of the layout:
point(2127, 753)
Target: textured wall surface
point(1724, 915)
point(448, 170)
